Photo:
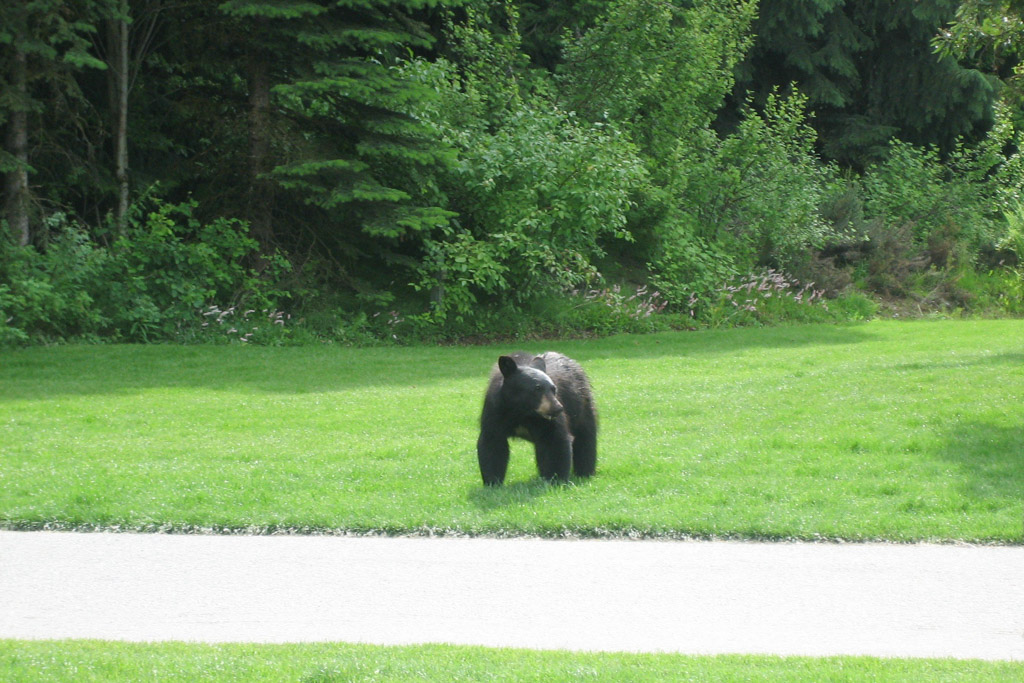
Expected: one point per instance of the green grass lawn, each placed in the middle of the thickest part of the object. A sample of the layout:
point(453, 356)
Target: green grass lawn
point(883, 430)
point(84, 661)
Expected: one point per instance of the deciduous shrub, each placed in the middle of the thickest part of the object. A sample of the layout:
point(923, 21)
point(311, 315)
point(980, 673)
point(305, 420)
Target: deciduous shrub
point(49, 295)
point(151, 283)
point(538, 190)
point(760, 298)
point(167, 266)
point(750, 200)
point(947, 207)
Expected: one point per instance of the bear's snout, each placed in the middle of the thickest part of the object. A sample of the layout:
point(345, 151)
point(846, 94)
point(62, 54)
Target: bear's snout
point(550, 407)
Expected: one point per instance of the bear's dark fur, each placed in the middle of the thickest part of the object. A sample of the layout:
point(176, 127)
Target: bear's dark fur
point(544, 399)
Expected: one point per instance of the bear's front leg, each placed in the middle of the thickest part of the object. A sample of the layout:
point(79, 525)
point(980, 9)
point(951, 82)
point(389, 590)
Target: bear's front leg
point(553, 447)
point(492, 454)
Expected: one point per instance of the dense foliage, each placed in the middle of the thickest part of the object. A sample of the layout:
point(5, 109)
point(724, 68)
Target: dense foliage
point(868, 73)
point(374, 170)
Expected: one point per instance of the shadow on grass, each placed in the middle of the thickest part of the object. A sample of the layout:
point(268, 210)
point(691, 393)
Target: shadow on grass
point(990, 459)
point(1012, 359)
point(96, 370)
point(707, 343)
point(118, 369)
point(517, 493)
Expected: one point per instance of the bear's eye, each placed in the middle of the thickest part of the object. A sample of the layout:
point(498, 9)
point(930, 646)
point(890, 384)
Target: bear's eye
point(538, 388)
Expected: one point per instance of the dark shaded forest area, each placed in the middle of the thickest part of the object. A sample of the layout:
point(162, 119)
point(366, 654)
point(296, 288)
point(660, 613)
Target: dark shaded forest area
point(367, 171)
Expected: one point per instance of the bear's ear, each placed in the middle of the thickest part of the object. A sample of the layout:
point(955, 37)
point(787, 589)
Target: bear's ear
point(539, 364)
point(507, 365)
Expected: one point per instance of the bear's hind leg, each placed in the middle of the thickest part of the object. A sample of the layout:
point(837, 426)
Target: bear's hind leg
point(584, 453)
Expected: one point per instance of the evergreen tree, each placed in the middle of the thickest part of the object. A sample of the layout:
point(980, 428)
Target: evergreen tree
point(544, 24)
point(327, 119)
point(869, 72)
point(42, 45)
point(990, 35)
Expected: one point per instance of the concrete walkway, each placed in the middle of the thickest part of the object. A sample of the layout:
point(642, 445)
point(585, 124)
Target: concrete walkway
point(691, 597)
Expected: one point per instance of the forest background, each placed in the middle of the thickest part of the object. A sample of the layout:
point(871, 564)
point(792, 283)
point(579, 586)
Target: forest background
point(392, 171)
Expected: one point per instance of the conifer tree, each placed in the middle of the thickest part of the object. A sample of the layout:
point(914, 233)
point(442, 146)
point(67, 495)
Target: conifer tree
point(869, 72)
point(327, 115)
point(41, 44)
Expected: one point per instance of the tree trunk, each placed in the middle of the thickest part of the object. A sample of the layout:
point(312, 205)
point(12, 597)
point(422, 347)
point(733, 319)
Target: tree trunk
point(121, 68)
point(260, 200)
point(16, 198)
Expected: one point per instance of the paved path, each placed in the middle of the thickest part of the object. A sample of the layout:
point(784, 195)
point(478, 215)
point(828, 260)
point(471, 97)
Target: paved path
point(693, 597)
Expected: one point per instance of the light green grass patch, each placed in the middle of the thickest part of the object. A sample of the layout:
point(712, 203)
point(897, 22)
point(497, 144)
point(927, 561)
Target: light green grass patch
point(901, 431)
point(86, 661)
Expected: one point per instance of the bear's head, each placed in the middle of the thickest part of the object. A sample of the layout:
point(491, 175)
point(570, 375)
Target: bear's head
point(527, 389)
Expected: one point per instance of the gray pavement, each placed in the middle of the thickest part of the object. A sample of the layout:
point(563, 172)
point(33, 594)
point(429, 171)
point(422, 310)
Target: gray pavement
point(644, 596)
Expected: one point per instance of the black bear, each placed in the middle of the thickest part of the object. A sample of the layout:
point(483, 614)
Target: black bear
point(544, 399)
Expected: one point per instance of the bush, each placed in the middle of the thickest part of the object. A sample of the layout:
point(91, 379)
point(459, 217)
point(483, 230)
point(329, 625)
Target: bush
point(763, 298)
point(152, 283)
point(853, 306)
point(1011, 275)
point(660, 69)
point(246, 326)
point(661, 72)
point(688, 264)
point(50, 295)
point(536, 200)
point(770, 185)
point(751, 200)
point(612, 310)
point(538, 191)
point(168, 266)
point(947, 208)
